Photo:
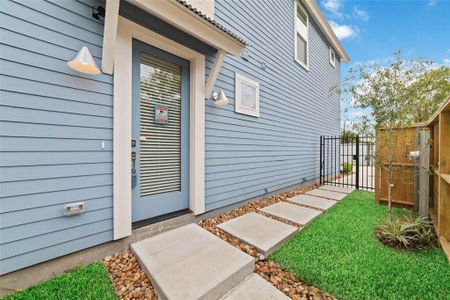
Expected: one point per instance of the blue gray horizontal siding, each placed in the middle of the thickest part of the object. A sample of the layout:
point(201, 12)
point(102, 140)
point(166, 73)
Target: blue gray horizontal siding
point(246, 155)
point(52, 123)
point(53, 120)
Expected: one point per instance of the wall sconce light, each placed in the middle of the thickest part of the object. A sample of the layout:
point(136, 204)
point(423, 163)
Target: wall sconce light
point(219, 98)
point(84, 62)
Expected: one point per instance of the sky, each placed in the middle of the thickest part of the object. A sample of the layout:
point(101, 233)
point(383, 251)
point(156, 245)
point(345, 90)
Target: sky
point(371, 31)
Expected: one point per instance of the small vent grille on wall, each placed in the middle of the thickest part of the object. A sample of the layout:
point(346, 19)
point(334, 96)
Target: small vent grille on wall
point(160, 153)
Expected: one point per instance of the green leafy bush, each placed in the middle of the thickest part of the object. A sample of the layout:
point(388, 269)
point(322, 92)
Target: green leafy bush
point(407, 232)
point(347, 167)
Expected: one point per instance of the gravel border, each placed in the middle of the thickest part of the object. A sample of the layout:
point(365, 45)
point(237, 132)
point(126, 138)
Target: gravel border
point(130, 282)
point(127, 277)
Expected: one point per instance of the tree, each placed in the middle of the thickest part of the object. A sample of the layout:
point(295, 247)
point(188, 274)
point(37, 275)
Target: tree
point(427, 92)
point(364, 125)
point(397, 94)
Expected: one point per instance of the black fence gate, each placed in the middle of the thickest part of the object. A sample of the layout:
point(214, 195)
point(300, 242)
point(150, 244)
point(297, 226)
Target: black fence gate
point(347, 161)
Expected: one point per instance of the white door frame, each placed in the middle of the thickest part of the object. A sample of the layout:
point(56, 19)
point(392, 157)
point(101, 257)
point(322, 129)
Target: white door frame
point(122, 199)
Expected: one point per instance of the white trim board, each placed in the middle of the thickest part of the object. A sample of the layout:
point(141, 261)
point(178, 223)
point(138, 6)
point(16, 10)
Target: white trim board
point(110, 35)
point(126, 32)
point(177, 15)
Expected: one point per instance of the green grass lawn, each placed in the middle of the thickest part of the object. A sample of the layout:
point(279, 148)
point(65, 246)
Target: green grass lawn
point(339, 254)
point(90, 282)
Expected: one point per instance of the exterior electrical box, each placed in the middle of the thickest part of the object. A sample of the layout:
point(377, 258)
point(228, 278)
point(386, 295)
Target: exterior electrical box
point(73, 209)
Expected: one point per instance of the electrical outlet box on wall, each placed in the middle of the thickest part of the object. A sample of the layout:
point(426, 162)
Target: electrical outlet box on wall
point(73, 209)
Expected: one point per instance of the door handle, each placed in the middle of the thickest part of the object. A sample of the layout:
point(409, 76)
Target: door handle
point(133, 169)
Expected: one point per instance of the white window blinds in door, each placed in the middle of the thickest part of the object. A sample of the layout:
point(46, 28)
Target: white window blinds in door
point(160, 151)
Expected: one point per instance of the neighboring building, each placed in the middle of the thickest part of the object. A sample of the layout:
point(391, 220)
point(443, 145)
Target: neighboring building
point(66, 138)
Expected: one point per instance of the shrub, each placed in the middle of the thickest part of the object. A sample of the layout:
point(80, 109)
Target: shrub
point(347, 167)
point(407, 232)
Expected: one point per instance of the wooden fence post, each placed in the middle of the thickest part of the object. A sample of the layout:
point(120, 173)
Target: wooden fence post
point(424, 169)
point(416, 173)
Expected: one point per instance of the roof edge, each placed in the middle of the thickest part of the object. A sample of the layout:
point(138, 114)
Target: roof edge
point(326, 28)
point(209, 21)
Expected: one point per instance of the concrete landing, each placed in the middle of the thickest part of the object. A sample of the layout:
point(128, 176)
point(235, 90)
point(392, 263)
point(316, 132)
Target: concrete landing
point(339, 189)
point(255, 288)
point(326, 194)
point(265, 234)
point(191, 263)
point(313, 201)
point(294, 213)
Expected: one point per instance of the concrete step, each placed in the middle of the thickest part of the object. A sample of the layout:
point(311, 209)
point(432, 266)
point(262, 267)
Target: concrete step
point(339, 189)
point(313, 201)
point(326, 194)
point(191, 263)
point(265, 234)
point(255, 288)
point(291, 212)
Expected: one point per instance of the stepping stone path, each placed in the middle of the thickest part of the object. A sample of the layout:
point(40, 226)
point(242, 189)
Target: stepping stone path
point(265, 234)
point(339, 189)
point(313, 201)
point(189, 262)
point(294, 213)
point(255, 288)
point(326, 194)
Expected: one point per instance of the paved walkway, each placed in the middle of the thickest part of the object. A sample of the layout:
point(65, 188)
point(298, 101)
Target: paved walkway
point(191, 263)
point(366, 178)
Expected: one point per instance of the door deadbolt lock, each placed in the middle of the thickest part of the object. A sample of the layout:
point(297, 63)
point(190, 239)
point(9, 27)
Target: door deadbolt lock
point(133, 143)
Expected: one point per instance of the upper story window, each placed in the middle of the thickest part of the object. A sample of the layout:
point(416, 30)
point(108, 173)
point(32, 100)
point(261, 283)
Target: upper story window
point(332, 57)
point(247, 96)
point(301, 35)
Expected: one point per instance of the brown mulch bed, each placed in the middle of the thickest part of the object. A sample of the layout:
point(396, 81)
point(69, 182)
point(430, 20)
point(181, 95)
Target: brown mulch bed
point(130, 282)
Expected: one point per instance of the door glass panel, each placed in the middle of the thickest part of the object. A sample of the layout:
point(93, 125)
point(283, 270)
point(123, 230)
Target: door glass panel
point(160, 135)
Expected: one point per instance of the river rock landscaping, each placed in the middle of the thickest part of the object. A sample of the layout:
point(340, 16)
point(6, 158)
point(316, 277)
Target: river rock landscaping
point(131, 282)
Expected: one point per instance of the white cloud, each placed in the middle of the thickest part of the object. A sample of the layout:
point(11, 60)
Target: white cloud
point(432, 2)
point(446, 62)
point(334, 7)
point(360, 14)
point(344, 31)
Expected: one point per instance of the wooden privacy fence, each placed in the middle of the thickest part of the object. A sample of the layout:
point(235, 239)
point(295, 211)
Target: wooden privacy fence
point(404, 141)
point(434, 180)
point(440, 180)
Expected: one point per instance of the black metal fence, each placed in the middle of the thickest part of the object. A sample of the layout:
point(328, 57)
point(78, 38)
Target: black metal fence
point(347, 161)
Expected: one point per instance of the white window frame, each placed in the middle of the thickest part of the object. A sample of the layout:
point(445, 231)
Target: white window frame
point(239, 108)
point(303, 30)
point(332, 55)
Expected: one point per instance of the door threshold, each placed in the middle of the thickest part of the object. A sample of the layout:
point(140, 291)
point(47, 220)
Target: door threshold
point(157, 219)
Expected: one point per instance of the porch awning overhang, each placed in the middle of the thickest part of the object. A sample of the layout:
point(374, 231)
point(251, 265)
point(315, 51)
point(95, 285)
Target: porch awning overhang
point(180, 15)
